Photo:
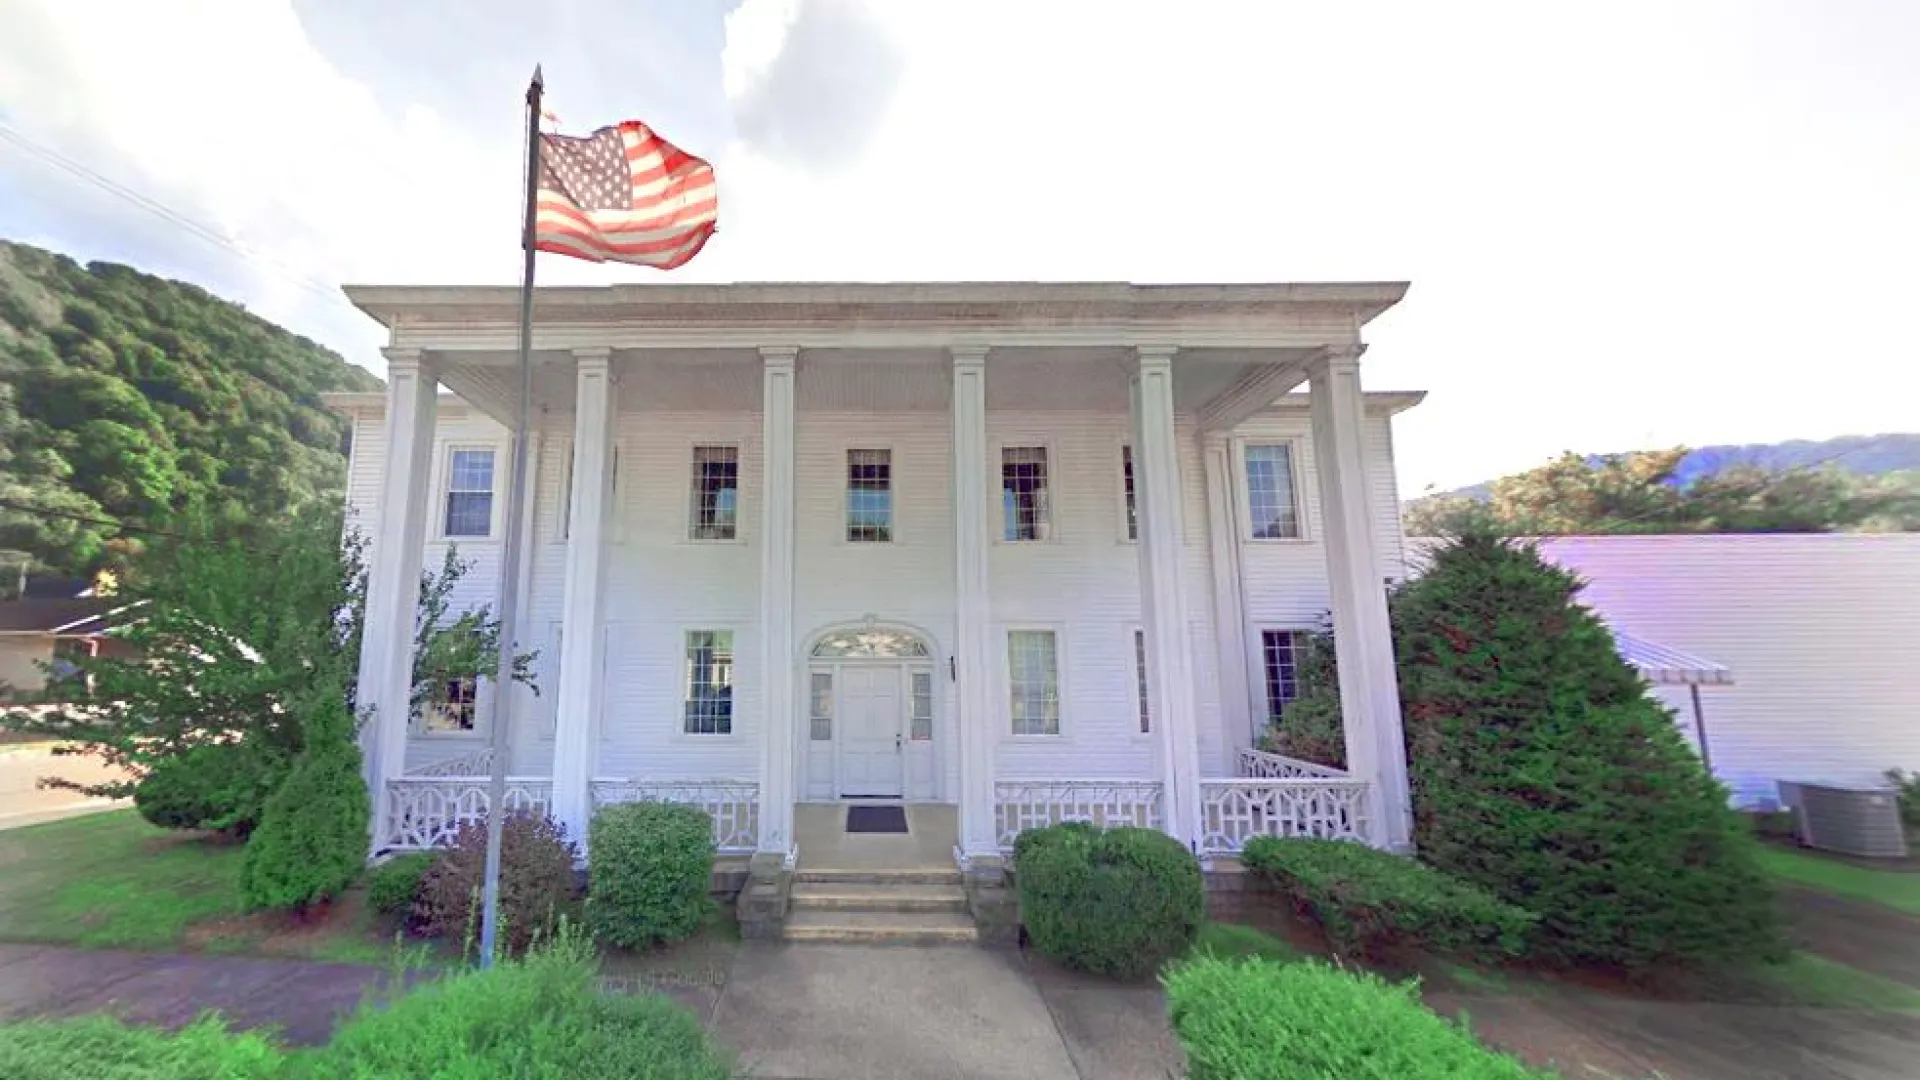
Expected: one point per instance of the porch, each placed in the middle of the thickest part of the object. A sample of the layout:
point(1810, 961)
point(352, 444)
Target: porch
point(1272, 795)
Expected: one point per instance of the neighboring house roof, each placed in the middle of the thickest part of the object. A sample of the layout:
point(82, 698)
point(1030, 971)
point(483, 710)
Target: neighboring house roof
point(50, 588)
point(1662, 664)
point(74, 615)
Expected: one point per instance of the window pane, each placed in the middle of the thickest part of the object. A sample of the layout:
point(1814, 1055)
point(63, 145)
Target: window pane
point(716, 492)
point(1270, 498)
point(1033, 682)
point(709, 699)
point(469, 513)
point(820, 707)
point(1023, 492)
point(472, 470)
point(869, 495)
point(922, 727)
point(1280, 651)
point(1140, 676)
point(454, 707)
point(1126, 479)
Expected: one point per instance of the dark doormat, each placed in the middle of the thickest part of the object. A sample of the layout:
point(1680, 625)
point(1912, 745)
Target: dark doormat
point(876, 819)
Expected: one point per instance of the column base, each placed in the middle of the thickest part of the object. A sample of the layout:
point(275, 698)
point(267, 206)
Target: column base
point(762, 905)
point(991, 900)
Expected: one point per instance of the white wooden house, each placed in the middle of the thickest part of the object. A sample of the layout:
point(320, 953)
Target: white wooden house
point(1028, 551)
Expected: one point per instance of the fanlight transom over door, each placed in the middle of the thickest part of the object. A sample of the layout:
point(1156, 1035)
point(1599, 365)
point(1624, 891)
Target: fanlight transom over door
point(870, 716)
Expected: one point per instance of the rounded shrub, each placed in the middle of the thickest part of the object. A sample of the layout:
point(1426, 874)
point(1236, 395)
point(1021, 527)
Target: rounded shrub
point(313, 837)
point(393, 885)
point(1117, 902)
point(1543, 772)
point(221, 787)
point(649, 871)
point(537, 883)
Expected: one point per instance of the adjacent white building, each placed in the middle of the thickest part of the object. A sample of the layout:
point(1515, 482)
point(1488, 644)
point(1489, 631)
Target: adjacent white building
point(1033, 551)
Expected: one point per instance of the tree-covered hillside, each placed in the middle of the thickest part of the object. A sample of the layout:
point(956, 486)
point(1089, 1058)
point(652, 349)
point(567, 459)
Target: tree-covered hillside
point(126, 397)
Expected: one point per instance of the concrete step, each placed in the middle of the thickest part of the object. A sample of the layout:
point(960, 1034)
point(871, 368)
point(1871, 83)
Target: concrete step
point(880, 928)
point(929, 876)
point(878, 897)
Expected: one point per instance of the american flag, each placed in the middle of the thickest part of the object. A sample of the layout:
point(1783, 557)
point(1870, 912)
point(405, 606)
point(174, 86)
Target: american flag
point(626, 194)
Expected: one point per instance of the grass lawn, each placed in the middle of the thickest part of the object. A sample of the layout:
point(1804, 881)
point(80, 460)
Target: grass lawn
point(1897, 889)
point(1232, 941)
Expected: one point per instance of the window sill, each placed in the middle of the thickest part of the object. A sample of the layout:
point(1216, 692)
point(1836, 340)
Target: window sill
point(447, 736)
point(738, 541)
point(1281, 541)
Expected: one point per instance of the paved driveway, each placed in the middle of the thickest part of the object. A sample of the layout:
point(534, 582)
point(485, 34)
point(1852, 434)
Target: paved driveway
point(24, 802)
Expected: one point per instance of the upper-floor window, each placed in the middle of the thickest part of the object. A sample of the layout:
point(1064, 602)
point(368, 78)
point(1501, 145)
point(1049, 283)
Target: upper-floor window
point(469, 492)
point(1280, 653)
point(1126, 491)
point(1033, 682)
point(1023, 493)
point(869, 495)
point(709, 683)
point(1273, 511)
point(716, 493)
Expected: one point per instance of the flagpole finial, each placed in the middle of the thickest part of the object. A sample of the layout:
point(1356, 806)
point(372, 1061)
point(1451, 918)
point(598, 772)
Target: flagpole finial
point(538, 83)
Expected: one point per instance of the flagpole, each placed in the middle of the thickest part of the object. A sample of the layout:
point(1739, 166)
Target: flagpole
point(510, 550)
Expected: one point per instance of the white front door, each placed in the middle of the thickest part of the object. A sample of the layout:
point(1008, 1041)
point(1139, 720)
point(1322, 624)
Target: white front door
point(872, 709)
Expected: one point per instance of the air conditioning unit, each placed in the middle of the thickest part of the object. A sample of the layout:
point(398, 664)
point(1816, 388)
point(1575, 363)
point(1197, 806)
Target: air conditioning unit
point(1852, 821)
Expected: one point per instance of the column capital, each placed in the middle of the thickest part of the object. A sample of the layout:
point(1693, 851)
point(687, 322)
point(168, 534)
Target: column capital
point(779, 355)
point(1154, 354)
point(1342, 359)
point(404, 358)
point(593, 354)
point(968, 355)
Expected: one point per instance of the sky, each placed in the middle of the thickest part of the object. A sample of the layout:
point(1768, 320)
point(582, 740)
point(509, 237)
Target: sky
point(1627, 224)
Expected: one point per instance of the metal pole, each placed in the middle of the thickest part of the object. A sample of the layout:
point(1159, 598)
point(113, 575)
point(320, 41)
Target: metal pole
point(510, 552)
point(1700, 728)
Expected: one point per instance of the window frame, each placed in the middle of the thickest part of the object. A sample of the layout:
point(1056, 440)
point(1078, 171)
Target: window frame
point(1243, 485)
point(616, 527)
point(1060, 669)
point(680, 700)
point(846, 494)
point(996, 467)
point(444, 491)
point(1297, 633)
point(739, 448)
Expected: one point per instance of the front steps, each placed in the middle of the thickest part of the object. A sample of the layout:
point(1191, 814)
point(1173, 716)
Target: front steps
point(879, 907)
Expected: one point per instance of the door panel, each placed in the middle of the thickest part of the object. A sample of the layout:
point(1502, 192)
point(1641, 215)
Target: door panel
point(871, 705)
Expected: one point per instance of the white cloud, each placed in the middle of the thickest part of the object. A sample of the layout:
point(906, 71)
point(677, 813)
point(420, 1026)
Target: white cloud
point(1632, 225)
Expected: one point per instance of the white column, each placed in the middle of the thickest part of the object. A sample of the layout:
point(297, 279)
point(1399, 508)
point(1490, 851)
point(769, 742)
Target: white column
point(385, 684)
point(1242, 714)
point(974, 647)
point(1363, 639)
point(577, 700)
point(1163, 594)
point(525, 635)
point(777, 663)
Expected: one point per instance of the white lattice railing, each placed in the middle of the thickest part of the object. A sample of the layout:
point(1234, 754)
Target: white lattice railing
point(1235, 811)
point(426, 811)
point(734, 805)
point(1030, 804)
point(477, 763)
point(1262, 765)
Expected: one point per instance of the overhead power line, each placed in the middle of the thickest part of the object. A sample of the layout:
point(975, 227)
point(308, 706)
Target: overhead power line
point(207, 233)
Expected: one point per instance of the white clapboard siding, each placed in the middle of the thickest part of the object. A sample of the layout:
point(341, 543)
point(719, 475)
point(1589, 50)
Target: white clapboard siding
point(1822, 633)
point(1082, 582)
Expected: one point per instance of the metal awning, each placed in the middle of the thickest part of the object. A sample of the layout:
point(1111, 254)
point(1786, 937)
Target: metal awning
point(1661, 664)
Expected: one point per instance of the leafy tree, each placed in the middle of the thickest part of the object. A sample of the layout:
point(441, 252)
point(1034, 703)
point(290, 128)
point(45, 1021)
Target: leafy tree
point(129, 398)
point(1650, 492)
point(1542, 771)
point(313, 836)
point(225, 635)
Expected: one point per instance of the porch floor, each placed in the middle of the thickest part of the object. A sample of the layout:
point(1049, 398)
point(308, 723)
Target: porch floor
point(820, 831)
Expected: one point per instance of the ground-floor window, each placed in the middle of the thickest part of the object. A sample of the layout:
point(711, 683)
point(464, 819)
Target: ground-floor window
point(455, 705)
point(1280, 651)
point(1140, 678)
point(1033, 677)
point(709, 682)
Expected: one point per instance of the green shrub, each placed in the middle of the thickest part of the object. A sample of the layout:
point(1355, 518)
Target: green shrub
point(1262, 1020)
point(313, 838)
point(1115, 902)
point(1774, 824)
point(537, 883)
point(393, 885)
point(221, 787)
point(1906, 786)
point(538, 1018)
point(102, 1048)
point(1542, 771)
point(649, 869)
point(1366, 899)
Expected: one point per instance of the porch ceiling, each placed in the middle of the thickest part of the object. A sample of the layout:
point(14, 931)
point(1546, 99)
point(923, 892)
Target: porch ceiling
point(861, 380)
